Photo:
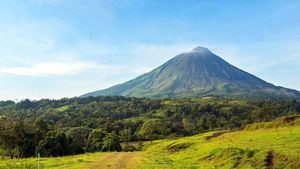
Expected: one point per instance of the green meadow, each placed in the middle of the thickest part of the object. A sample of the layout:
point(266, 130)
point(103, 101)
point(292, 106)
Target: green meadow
point(267, 145)
point(261, 148)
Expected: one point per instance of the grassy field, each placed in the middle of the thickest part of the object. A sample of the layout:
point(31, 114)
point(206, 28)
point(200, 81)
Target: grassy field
point(76, 162)
point(263, 145)
point(86, 161)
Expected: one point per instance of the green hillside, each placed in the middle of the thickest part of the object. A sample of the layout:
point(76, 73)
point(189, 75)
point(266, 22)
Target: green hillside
point(273, 144)
point(262, 145)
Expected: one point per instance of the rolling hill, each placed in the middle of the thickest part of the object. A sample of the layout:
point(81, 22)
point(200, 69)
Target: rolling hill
point(194, 74)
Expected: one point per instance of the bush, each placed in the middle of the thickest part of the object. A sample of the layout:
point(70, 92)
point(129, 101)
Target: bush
point(129, 148)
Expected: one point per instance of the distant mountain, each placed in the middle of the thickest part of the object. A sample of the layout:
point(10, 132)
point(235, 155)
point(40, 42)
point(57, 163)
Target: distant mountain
point(194, 74)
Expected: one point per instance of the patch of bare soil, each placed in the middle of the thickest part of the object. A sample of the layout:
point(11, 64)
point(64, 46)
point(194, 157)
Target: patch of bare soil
point(215, 135)
point(119, 160)
point(269, 160)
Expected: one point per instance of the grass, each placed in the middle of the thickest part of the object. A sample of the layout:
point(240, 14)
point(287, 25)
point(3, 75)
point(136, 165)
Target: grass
point(262, 145)
point(63, 108)
point(74, 162)
point(279, 147)
point(130, 160)
point(2, 152)
point(280, 122)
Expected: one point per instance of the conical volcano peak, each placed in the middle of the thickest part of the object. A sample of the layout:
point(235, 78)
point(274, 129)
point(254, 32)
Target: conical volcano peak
point(200, 49)
point(196, 73)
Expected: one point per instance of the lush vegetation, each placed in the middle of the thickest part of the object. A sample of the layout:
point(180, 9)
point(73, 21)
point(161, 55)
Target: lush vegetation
point(80, 125)
point(274, 144)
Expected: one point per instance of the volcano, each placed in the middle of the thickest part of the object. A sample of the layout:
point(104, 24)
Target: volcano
point(196, 73)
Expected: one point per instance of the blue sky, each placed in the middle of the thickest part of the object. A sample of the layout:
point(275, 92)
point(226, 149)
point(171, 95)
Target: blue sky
point(65, 48)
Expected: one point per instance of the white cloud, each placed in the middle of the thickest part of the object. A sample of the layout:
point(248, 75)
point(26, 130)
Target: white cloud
point(53, 68)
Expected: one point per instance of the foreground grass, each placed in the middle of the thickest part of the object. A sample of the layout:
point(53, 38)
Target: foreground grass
point(74, 162)
point(263, 145)
point(262, 148)
point(114, 160)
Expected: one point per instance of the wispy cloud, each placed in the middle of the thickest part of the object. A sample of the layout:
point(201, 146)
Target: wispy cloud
point(53, 68)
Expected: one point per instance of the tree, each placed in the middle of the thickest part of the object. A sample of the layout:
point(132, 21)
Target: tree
point(27, 149)
point(79, 136)
point(12, 134)
point(54, 144)
point(95, 140)
point(189, 125)
point(26, 104)
point(153, 129)
point(111, 142)
point(126, 135)
point(41, 125)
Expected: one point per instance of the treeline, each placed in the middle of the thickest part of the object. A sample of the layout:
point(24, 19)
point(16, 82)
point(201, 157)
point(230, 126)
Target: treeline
point(79, 125)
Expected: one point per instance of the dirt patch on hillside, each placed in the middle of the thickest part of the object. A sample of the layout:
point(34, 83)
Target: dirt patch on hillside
point(130, 160)
point(175, 147)
point(215, 135)
point(269, 160)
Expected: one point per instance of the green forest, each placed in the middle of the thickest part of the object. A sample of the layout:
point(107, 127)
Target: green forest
point(72, 126)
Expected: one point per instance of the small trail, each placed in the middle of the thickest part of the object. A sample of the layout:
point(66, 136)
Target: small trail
point(269, 160)
point(215, 135)
point(121, 160)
